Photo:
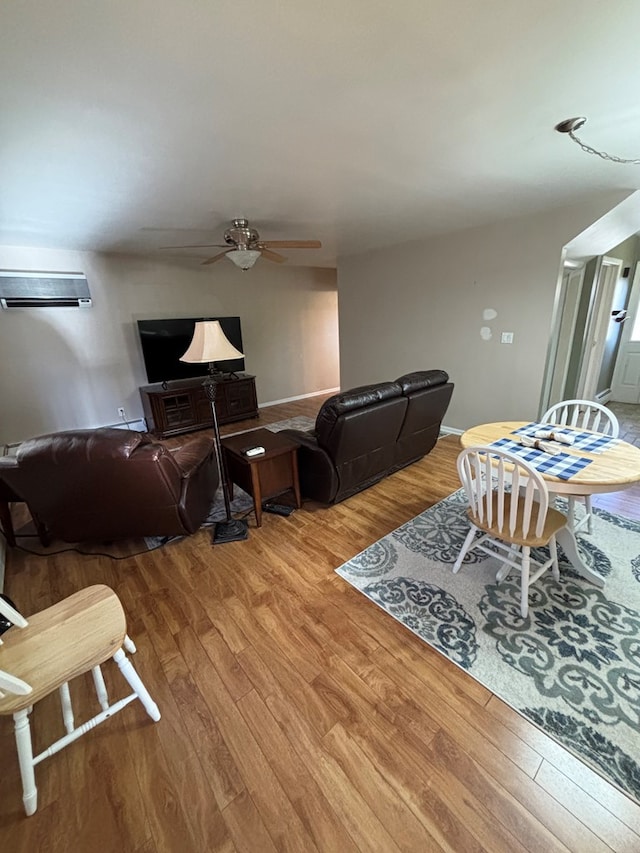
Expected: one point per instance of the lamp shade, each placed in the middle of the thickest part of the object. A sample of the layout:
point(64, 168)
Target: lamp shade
point(244, 258)
point(209, 343)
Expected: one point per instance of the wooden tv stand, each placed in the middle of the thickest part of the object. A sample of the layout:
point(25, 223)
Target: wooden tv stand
point(183, 406)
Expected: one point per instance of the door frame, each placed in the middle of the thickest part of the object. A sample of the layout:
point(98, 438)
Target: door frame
point(597, 324)
point(573, 273)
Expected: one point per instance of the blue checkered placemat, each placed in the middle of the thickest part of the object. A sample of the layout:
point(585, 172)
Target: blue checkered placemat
point(562, 465)
point(581, 440)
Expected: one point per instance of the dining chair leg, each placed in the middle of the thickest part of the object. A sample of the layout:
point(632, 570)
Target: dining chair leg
point(524, 591)
point(463, 551)
point(25, 759)
point(553, 550)
point(135, 682)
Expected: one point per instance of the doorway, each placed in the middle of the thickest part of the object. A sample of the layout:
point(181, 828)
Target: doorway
point(626, 375)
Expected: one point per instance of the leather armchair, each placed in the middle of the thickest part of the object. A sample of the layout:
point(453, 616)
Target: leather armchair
point(106, 484)
point(366, 433)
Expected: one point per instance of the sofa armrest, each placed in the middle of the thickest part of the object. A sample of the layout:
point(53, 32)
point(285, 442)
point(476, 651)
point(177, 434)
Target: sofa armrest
point(318, 478)
point(189, 457)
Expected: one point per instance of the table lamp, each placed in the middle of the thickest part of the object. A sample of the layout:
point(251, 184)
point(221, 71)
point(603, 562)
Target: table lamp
point(209, 345)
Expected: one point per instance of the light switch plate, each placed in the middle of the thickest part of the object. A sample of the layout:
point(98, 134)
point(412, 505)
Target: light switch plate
point(506, 338)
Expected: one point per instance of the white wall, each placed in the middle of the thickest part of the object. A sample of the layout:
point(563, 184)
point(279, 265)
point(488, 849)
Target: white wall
point(66, 368)
point(420, 306)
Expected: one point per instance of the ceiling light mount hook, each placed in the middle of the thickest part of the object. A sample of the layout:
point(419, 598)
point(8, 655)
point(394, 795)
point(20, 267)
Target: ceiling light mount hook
point(571, 125)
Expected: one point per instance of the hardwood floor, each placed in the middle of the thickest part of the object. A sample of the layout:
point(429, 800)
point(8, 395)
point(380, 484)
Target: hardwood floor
point(297, 715)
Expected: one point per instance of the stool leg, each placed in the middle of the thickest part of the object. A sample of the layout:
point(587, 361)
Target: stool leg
point(67, 708)
point(101, 688)
point(127, 670)
point(128, 644)
point(25, 758)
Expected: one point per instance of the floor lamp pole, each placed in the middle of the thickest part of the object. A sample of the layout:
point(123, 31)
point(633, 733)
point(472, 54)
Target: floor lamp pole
point(233, 529)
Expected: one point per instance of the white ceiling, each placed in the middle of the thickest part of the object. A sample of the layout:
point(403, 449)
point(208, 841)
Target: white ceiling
point(357, 122)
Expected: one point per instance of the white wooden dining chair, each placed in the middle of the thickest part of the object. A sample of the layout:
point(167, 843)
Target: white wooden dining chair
point(509, 507)
point(44, 653)
point(589, 415)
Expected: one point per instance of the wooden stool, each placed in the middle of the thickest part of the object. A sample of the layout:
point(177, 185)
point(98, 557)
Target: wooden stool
point(44, 653)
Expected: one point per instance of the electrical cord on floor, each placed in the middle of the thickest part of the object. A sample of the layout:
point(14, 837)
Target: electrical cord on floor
point(165, 541)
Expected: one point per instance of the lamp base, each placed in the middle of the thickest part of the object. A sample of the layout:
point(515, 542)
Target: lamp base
point(235, 530)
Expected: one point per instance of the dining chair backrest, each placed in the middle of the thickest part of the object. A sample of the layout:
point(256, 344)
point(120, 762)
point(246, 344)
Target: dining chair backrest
point(504, 492)
point(583, 414)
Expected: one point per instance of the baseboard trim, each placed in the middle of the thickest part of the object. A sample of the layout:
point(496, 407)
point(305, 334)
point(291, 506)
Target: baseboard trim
point(451, 430)
point(299, 397)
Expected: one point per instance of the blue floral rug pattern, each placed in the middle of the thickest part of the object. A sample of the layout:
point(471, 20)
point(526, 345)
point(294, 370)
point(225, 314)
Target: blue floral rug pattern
point(572, 666)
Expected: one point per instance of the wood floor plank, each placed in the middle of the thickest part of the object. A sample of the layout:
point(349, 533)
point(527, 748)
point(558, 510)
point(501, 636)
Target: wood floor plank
point(446, 709)
point(359, 819)
point(398, 819)
point(224, 777)
point(246, 826)
point(307, 798)
point(275, 808)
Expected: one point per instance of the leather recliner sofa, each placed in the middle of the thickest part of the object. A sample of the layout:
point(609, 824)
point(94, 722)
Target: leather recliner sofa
point(106, 484)
point(366, 433)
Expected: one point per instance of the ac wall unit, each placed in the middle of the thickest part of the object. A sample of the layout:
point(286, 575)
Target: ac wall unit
point(19, 289)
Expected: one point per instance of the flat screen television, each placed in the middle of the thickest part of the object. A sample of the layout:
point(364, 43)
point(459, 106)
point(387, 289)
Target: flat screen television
point(164, 341)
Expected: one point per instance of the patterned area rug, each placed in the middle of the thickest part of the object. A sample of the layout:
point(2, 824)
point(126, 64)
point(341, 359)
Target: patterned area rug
point(301, 422)
point(572, 666)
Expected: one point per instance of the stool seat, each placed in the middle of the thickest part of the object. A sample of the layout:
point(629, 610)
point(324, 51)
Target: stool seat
point(47, 653)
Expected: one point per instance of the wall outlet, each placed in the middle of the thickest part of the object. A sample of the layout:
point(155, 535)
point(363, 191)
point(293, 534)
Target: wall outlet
point(121, 413)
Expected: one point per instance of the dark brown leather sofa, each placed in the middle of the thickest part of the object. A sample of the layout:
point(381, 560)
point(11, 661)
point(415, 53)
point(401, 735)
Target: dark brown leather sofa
point(364, 434)
point(106, 484)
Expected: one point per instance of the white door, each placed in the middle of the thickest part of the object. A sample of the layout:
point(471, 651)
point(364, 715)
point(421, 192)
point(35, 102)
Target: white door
point(626, 377)
point(598, 326)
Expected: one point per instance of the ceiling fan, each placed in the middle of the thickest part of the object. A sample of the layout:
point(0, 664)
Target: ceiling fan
point(243, 246)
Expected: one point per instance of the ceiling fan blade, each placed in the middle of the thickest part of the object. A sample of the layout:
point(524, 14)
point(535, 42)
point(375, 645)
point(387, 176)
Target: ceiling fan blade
point(197, 246)
point(272, 256)
point(214, 258)
point(292, 244)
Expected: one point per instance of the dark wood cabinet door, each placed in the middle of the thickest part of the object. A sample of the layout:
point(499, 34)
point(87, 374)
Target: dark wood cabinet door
point(183, 406)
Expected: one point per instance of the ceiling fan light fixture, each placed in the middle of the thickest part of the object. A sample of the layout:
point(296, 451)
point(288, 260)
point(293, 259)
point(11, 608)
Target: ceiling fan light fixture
point(570, 125)
point(244, 258)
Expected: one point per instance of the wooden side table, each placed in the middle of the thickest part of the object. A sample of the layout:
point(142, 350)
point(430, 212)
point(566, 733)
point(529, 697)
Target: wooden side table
point(273, 472)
